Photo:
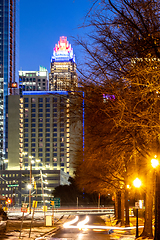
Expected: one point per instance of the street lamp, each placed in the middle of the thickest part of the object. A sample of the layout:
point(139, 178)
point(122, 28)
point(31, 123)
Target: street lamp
point(31, 162)
point(155, 164)
point(137, 183)
point(29, 186)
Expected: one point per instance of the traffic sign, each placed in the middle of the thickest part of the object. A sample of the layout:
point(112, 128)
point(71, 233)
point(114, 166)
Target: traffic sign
point(23, 209)
point(44, 208)
point(52, 203)
point(34, 204)
point(24, 205)
point(57, 202)
point(137, 205)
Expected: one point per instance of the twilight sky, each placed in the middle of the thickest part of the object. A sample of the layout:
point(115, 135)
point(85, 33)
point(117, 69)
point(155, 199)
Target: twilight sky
point(41, 23)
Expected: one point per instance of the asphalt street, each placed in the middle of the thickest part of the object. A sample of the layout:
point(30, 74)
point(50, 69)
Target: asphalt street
point(72, 232)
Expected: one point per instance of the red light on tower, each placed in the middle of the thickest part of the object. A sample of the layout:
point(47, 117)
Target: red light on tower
point(14, 85)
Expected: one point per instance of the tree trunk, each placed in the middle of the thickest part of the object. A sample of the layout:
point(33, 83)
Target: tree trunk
point(147, 231)
point(157, 206)
point(127, 223)
point(115, 206)
point(118, 206)
point(122, 207)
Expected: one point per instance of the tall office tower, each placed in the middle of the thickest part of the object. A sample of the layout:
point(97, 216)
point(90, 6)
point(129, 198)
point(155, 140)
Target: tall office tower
point(63, 68)
point(34, 80)
point(8, 66)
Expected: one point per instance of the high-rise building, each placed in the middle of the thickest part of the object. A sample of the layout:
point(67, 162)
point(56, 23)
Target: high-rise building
point(42, 132)
point(39, 130)
point(63, 74)
point(8, 66)
point(34, 80)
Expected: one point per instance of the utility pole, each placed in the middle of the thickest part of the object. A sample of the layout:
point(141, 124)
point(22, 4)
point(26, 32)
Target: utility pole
point(42, 194)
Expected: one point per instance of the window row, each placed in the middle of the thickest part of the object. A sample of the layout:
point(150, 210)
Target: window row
point(47, 100)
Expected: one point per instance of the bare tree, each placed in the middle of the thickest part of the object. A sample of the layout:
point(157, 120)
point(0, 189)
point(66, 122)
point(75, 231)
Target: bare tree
point(123, 54)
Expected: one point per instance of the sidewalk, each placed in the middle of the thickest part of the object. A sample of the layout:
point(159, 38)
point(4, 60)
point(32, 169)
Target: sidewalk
point(38, 230)
point(127, 234)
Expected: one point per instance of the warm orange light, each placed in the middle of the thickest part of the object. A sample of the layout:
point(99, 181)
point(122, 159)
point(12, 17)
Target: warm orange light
point(154, 162)
point(9, 201)
point(137, 182)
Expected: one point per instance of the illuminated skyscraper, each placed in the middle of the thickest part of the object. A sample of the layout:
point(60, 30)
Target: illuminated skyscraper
point(8, 67)
point(63, 68)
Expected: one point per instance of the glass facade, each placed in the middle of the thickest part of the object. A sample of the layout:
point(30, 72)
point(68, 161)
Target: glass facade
point(8, 66)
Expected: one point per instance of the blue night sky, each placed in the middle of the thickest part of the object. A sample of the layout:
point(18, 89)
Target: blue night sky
point(41, 23)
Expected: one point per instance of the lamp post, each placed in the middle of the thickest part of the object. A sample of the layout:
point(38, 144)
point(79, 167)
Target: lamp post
point(155, 164)
point(29, 186)
point(31, 162)
point(137, 183)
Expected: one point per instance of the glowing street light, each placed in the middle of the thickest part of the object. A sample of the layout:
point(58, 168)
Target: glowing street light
point(154, 162)
point(137, 183)
point(29, 186)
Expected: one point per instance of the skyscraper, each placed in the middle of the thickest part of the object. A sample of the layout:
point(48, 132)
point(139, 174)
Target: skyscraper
point(8, 66)
point(33, 80)
point(42, 132)
point(63, 74)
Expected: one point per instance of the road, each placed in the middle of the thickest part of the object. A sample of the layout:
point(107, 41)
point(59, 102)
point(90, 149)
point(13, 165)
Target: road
point(72, 232)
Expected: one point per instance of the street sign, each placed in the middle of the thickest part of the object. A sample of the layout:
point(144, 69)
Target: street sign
point(34, 204)
point(57, 202)
point(44, 208)
point(13, 185)
point(52, 203)
point(24, 210)
point(137, 205)
point(24, 205)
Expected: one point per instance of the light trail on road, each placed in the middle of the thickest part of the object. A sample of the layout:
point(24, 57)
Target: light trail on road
point(82, 225)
